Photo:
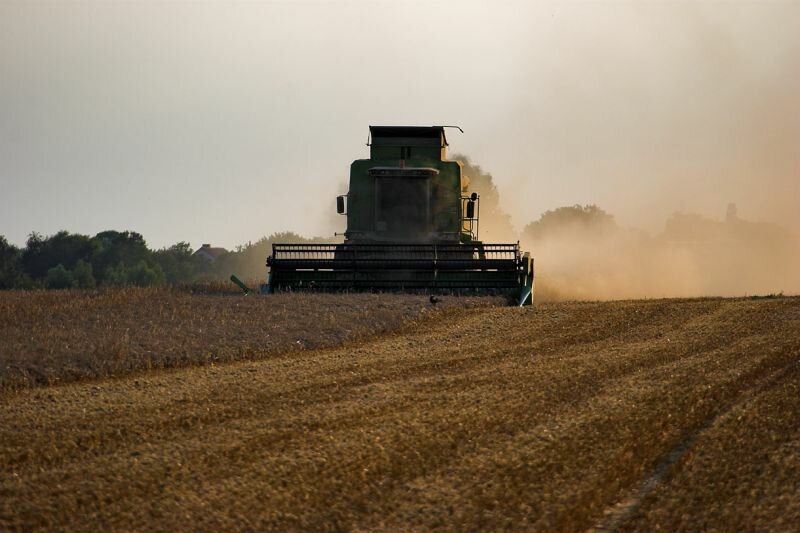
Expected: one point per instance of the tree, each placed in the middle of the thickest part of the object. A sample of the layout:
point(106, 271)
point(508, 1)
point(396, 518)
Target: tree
point(11, 275)
point(577, 221)
point(82, 275)
point(116, 276)
point(58, 277)
point(63, 248)
point(180, 265)
point(144, 275)
point(119, 247)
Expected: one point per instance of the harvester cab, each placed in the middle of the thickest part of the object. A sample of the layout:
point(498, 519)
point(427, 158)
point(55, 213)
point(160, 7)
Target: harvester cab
point(412, 225)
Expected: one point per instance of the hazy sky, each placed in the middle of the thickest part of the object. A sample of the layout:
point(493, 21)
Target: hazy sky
point(222, 122)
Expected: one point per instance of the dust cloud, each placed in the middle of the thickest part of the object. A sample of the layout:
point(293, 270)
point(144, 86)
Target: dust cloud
point(494, 223)
point(581, 253)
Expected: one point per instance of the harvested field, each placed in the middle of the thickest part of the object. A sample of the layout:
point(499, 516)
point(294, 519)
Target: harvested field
point(636, 415)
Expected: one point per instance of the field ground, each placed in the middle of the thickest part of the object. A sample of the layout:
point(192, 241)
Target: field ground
point(635, 415)
point(52, 337)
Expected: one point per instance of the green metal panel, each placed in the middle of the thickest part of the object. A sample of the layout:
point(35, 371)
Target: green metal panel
point(443, 201)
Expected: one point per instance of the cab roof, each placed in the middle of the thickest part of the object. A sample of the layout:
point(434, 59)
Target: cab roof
point(401, 135)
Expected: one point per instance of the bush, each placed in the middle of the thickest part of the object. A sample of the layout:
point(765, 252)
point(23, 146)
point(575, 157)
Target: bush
point(59, 277)
point(116, 276)
point(82, 275)
point(145, 275)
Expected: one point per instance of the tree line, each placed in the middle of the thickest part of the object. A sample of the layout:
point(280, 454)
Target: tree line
point(122, 258)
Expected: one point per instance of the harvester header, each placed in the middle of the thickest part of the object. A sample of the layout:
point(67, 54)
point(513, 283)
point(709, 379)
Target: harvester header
point(412, 224)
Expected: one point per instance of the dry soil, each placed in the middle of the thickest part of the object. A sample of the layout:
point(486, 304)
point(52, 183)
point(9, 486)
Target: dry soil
point(636, 415)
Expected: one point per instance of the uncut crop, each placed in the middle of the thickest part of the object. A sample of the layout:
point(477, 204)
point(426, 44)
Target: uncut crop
point(51, 337)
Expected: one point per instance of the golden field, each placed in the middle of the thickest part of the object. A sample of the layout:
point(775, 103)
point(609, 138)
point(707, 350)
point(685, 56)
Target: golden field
point(630, 415)
point(52, 337)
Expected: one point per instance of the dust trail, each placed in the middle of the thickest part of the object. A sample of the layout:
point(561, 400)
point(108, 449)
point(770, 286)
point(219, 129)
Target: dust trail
point(581, 253)
point(495, 223)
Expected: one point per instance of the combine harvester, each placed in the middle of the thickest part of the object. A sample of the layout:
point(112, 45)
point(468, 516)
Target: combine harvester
point(412, 226)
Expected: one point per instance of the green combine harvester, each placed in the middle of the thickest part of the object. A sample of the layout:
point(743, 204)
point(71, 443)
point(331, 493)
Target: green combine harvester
point(412, 226)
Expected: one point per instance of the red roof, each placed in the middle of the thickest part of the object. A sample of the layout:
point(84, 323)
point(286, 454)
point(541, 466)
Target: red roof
point(211, 252)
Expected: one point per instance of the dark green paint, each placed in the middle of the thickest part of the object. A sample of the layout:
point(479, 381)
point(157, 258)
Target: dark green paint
point(402, 209)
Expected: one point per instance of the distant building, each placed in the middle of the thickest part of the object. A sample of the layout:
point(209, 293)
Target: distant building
point(207, 252)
